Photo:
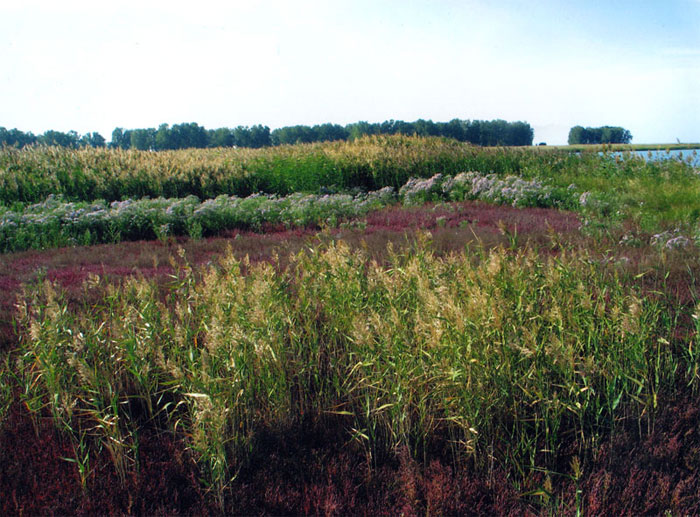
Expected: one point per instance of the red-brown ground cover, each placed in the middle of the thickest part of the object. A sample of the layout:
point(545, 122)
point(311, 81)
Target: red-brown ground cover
point(312, 469)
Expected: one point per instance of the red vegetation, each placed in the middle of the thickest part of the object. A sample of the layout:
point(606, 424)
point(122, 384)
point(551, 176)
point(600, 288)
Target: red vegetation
point(654, 475)
point(36, 479)
point(311, 469)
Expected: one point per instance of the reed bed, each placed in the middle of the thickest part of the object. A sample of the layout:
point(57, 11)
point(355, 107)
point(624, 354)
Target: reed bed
point(55, 222)
point(499, 355)
point(30, 175)
point(524, 358)
point(649, 193)
point(664, 201)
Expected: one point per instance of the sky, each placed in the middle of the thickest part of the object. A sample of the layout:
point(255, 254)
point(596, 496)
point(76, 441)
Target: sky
point(94, 66)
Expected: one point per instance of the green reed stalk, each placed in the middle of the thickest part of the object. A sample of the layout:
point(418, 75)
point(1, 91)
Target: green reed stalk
point(508, 353)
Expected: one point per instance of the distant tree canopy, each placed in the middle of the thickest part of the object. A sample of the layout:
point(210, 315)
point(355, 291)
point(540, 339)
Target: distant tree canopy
point(480, 132)
point(17, 138)
point(192, 135)
point(189, 135)
point(599, 135)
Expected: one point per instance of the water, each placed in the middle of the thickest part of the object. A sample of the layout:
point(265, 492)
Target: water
point(691, 156)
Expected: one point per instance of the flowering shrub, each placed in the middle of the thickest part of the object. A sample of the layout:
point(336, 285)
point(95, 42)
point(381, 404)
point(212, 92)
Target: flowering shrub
point(670, 240)
point(472, 185)
point(417, 191)
point(55, 222)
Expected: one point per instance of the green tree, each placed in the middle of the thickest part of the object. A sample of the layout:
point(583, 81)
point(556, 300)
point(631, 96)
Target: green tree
point(164, 138)
point(473, 132)
point(188, 135)
point(92, 140)
point(16, 138)
point(454, 129)
point(143, 139)
point(51, 137)
point(221, 137)
point(294, 135)
point(121, 138)
point(260, 136)
point(519, 133)
point(599, 135)
point(361, 128)
point(425, 128)
point(329, 133)
point(576, 135)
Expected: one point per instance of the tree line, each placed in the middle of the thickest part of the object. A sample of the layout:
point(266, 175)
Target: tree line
point(17, 138)
point(479, 132)
point(599, 135)
point(192, 135)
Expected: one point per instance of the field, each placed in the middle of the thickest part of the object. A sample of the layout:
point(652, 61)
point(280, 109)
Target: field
point(393, 325)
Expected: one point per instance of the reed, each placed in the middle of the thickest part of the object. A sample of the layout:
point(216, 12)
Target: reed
point(504, 355)
point(651, 193)
point(30, 175)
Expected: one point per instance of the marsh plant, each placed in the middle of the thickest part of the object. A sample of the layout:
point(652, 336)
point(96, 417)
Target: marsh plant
point(510, 190)
point(50, 196)
point(507, 354)
point(55, 222)
point(30, 175)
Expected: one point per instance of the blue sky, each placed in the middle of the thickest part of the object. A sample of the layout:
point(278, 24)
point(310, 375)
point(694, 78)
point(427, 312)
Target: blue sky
point(93, 66)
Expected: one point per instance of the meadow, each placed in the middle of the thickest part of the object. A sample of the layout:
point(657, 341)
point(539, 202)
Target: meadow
point(391, 325)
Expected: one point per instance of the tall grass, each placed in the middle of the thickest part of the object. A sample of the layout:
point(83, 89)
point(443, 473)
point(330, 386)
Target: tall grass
point(503, 355)
point(650, 193)
point(30, 175)
point(56, 222)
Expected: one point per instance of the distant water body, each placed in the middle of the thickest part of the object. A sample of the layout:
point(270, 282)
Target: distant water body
point(691, 156)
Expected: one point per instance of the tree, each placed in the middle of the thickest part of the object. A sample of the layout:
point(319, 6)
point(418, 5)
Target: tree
point(120, 139)
point(388, 127)
point(260, 136)
point(599, 135)
point(143, 139)
point(492, 132)
point(294, 135)
point(615, 135)
point(425, 128)
point(59, 138)
point(92, 140)
point(576, 135)
point(520, 133)
point(16, 138)
point(454, 129)
point(188, 135)
point(222, 137)
point(330, 132)
point(473, 132)
point(626, 136)
point(362, 128)
point(164, 138)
